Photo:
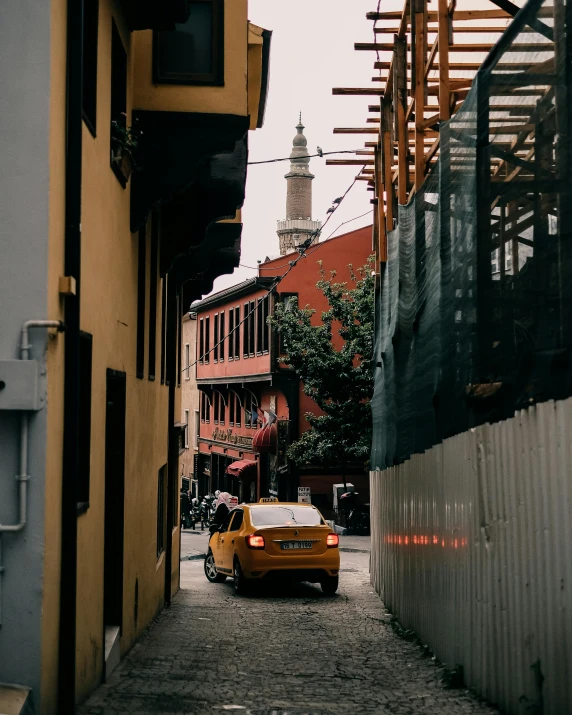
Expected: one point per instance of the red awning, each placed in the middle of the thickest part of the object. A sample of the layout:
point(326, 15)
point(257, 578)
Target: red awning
point(265, 439)
point(241, 468)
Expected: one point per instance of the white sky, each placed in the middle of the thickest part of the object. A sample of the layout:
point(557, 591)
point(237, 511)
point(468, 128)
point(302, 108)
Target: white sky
point(312, 51)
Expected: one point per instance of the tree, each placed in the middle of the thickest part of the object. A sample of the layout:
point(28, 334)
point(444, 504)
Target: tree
point(339, 381)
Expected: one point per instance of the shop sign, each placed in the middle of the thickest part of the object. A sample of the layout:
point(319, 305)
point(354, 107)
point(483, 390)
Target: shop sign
point(220, 435)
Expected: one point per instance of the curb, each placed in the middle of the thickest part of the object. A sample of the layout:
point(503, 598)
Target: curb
point(354, 551)
point(193, 557)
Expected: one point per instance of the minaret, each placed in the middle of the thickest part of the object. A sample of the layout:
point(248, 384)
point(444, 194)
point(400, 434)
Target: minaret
point(298, 224)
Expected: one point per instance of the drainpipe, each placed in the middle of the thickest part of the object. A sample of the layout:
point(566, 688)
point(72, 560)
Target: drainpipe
point(73, 189)
point(23, 477)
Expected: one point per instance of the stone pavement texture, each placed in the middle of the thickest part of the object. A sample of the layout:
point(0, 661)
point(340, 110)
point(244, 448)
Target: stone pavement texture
point(277, 652)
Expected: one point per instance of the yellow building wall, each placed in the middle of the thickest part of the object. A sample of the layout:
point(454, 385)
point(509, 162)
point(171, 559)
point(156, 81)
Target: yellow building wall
point(109, 313)
point(54, 364)
point(230, 99)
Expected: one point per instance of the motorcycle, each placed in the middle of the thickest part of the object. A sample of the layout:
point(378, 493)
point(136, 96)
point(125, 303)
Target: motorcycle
point(356, 515)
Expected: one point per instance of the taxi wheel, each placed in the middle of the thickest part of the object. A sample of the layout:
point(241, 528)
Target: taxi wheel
point(330, 585)
point(240, 582)
point(210, 569)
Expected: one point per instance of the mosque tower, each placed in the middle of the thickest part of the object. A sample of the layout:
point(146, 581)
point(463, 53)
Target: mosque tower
point(298, 224)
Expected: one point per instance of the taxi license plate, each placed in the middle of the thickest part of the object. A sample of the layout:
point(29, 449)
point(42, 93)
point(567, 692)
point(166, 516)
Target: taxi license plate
point(296, 545)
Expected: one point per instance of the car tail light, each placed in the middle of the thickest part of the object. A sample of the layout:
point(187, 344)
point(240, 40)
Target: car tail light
point(255, 541)
point(332, 540)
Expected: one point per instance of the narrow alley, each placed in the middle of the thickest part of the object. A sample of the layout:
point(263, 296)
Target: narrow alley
point(278, 652)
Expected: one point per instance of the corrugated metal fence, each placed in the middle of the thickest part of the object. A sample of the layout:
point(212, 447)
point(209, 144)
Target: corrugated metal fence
point(472, 549)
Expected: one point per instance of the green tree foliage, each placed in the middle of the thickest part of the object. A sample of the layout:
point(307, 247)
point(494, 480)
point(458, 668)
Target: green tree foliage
point(339, 381)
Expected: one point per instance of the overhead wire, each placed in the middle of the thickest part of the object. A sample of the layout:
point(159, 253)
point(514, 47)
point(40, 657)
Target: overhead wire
point(302, 248)
point(306, 156)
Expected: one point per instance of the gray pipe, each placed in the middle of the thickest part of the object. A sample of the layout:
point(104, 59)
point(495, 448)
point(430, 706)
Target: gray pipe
point(23, 477)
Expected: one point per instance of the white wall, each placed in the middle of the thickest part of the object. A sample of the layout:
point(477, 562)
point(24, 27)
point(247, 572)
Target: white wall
point(471, 548)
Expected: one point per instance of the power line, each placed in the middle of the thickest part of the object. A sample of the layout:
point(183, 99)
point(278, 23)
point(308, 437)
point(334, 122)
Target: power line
point(307, 156)
point(302, 248)
point(355, 218)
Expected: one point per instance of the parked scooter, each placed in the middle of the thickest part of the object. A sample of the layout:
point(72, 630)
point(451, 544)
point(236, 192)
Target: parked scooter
point(356, 515)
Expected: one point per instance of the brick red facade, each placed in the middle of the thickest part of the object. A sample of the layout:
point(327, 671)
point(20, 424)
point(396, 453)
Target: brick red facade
point(239, 381)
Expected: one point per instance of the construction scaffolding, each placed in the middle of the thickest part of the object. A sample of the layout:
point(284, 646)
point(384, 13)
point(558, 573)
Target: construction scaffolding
point(473, 230)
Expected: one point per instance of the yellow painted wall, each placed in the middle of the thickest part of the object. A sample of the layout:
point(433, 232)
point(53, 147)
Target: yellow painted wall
point(55, 363)
point(230, 99)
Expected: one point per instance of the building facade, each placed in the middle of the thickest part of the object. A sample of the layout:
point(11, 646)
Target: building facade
point(189, 406)
point(251, 408)
point(95, 266)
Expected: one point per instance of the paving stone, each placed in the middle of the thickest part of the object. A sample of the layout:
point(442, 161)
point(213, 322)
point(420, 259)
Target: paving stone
point(280, 651)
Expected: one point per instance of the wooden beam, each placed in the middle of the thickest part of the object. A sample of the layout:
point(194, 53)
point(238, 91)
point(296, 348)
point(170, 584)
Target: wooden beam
point(456, 28)
point(349, 162)
point(351, 130)
point(432, 16)
point(444, 82)
point(357, 91)
point(400, 106)
point(420, 89)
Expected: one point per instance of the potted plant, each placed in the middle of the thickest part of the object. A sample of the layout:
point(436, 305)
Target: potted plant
point(124, 142)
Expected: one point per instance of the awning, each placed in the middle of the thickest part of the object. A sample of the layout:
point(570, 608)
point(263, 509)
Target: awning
point(241, 468)
point(265, 439)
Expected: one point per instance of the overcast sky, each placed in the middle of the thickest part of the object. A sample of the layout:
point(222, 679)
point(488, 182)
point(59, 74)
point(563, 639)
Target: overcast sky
point(312, 51)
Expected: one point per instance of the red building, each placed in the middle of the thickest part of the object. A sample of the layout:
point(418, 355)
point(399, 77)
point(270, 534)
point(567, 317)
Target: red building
point(240, 379)
point(238, 373)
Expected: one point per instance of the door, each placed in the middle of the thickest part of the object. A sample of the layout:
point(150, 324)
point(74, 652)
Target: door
point(221, 542)
point(114, 499)
point(233, 529)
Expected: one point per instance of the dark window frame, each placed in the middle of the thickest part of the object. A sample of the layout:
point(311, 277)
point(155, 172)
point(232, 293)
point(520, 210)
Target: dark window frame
point(245, 330)
point(90, 44)
point(237, 333)
point(231, 334)
point(85, 397)
point(252, 328)
point(222, 336)
point(141, 301)
point(118, 92)
point(201, 341)
point(153, 285)
point(215, 337)
point(207, 339)
point(215, 78)
point(163, 326)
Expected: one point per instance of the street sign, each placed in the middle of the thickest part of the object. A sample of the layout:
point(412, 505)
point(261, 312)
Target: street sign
point(304, 495)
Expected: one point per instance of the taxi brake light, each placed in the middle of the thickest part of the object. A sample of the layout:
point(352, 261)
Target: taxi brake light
point(255, 541)
point(332, 540)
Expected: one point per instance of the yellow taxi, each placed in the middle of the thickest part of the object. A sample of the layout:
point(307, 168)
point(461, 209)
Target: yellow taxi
point(274, 539)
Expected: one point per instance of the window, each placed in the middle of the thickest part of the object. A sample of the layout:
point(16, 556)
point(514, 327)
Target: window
point(237, 519)
point(201, 340)
point(118, 84)
point(237, 411)
point(192, 53)
point(265, 327)
point(197, 428)
point(90, 30)
point(251, 327)
point(84, 446)
point(231, 398)
point(284, 516)
point(231, 334)
point(237, 333)
point(221, 339)
point(250, 411)
point(187, 429)
point(187, 361)
point(215, 338)
point(259, 325)
point(153, 271)
point(245, 333)
point(163, 326)
point(161, 521)
point(222, 409)
point(215, 407)
point(206, 357)
point(141, 295)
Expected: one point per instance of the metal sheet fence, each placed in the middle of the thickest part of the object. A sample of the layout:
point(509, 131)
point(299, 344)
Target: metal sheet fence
point(470, 549)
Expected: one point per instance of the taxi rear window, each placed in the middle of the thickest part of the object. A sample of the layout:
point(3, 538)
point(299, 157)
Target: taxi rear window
point(285, 516)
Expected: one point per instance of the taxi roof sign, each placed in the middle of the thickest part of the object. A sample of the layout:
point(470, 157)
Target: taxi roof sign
point(265, 500)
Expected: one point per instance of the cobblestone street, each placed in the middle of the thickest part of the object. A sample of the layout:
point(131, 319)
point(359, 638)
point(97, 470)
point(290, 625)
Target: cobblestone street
point(278, 653)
